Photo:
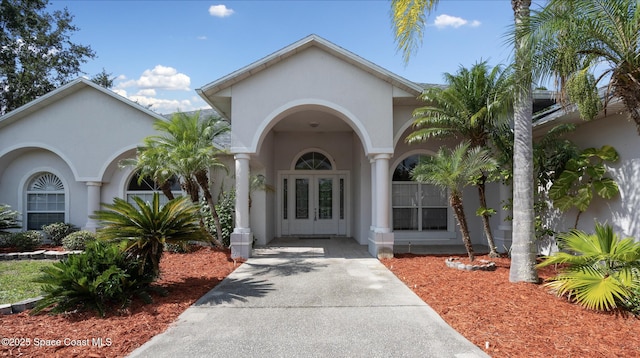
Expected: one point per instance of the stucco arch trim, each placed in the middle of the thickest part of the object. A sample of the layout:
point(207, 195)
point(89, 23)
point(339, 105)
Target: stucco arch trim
point(36, 145)
point(400, 135)
point(112, 161)
point(307, 104)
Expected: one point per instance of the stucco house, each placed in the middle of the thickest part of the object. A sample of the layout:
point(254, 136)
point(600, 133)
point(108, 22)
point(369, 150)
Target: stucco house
point(324, 126)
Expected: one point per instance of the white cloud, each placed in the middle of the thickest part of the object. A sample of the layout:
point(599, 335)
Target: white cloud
point(445, 20)
point(162, 105)
point(220, 11)
point(147, 92)
point(160, 77)
point(201, 37)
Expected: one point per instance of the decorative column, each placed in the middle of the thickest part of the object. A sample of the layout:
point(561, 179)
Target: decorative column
point(381, 237)
point(373, 195)
point(241, 238)
point(93, 204)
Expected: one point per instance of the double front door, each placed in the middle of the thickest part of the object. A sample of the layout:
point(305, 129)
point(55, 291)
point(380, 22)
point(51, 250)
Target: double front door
point(313, 204)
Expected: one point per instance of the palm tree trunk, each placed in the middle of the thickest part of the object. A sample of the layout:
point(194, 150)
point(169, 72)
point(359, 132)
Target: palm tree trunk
point(166, 190)
point(456, 203)
point(523, 248)
point(203, 182)
point(493, 251)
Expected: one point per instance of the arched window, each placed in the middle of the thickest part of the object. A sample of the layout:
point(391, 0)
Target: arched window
point(313, 161)
point(146, 187)
point(45, 201)
point(417, 206)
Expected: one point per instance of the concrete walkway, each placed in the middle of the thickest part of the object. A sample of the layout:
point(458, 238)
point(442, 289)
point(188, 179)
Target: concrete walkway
point(310, 298)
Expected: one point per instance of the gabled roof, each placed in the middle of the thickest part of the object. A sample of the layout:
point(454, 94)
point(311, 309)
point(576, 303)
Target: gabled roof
point(223, 103)
point(64, 91)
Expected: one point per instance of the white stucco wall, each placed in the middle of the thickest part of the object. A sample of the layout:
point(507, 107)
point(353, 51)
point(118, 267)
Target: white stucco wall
point(79, 133)
point(318, 78)
point(622, 212)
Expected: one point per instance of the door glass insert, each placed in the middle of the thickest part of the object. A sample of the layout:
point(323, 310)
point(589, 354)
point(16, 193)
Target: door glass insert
point(325, 198)
point(302, 198)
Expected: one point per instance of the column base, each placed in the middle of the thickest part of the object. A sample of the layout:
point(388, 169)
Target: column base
point(91, 226)
point(381, 244)
point(241, 244)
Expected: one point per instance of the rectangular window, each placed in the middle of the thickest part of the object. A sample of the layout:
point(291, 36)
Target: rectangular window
point(419, 207)
point(341, 199)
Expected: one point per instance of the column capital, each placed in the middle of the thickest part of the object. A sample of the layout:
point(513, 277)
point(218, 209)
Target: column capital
point(380, 156)
point(93, 183)
point(239, 156)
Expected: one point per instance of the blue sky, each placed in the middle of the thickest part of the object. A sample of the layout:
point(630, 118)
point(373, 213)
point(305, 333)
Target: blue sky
point(161, 51)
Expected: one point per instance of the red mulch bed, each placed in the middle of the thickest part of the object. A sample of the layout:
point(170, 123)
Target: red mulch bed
point(516, 319)
point(185, 276)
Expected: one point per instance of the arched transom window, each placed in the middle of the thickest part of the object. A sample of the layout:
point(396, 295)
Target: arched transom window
point(313, 161)
point(417, 206)
point(45, 201)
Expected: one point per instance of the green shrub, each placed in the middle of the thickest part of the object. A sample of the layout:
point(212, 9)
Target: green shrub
point(25, 240)
point(58, 231)
point(145, 227)
point(101, 278)
point(77, 240)
point(8, 218)
point(601, 269)
point(226, 210)
point(632, 304)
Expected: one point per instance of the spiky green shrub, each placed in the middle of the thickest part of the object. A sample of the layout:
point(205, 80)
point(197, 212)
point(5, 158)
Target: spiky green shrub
point(58, 231)
point(147, 227)
point(599, 270)
point(99, 279)
point(25, 240)
point(78, 240)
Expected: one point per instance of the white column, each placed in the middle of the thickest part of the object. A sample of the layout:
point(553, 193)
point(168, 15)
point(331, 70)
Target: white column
point(93, 204)
point(373, 194)
point(241, 238)
point(381, 237)
point(242, 193)
point(383, 188)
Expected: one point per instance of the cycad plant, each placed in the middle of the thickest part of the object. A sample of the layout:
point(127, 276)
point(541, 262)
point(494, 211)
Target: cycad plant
point(453, 170)
point(146, 227)
point(599, 270)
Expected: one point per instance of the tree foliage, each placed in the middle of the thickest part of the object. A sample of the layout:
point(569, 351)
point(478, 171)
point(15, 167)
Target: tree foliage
point(582, 177)
point(583, 44)
point(453, 170)
point(36, 52)
point(473, 104)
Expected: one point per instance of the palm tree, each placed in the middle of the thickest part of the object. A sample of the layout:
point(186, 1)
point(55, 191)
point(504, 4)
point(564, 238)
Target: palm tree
point(185, 149)
point(523, 246)
point(453, 170)
point(409, 20)
point(575, 41)
point(472, 105)
point(146, 227)
point(601, 269)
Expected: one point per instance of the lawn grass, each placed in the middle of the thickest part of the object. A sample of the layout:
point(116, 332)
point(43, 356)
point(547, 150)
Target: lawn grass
point(16, 279)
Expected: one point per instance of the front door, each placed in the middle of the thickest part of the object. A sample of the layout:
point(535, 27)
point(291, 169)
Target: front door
point(314, 204)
